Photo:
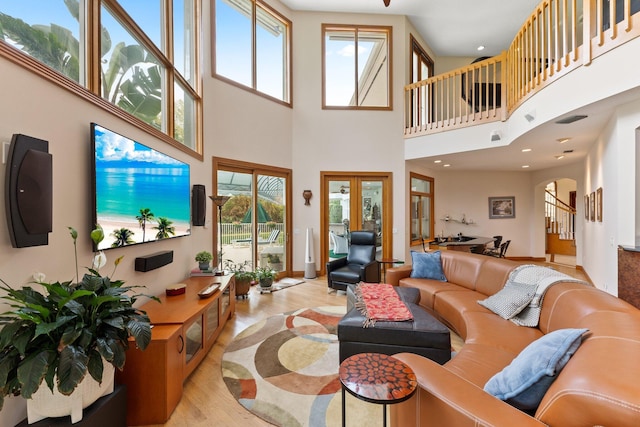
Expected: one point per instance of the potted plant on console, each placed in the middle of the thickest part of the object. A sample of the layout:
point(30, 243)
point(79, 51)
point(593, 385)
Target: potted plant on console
point(60, 331)
point(204, 260)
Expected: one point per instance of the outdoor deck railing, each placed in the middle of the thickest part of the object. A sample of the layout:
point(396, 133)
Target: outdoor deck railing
point(232, 232)
point(548, 46)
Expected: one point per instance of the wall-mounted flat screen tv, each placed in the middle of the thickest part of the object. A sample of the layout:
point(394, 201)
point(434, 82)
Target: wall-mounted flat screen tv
point(140, 194)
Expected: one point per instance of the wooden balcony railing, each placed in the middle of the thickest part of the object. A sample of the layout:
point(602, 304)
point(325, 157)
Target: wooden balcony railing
point(548, 46)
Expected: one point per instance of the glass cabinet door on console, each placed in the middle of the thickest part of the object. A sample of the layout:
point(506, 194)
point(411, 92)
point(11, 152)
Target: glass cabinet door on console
point(193, 338)
point(212, 318)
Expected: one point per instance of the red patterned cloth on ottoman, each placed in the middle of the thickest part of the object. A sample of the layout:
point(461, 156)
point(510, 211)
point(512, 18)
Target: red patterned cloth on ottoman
point(380, 301)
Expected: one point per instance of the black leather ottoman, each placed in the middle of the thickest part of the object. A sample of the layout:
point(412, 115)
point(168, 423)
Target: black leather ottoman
point(425, 335)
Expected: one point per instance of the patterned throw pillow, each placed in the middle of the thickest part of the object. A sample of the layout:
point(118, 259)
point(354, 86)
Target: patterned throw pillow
point(510, 300)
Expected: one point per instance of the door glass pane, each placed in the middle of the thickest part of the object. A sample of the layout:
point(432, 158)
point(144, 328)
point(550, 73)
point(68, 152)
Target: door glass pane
point(339, 212)
point(372, 209)
point(271, 221)
point(425, 219)
point(415, 214)
point(236, 217)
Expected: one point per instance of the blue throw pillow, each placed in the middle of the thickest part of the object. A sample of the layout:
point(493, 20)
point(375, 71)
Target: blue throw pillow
point(525, 381)
point(427, 265)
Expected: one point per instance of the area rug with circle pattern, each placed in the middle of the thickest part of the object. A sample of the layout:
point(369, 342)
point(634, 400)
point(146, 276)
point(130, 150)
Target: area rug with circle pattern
point(284, 369)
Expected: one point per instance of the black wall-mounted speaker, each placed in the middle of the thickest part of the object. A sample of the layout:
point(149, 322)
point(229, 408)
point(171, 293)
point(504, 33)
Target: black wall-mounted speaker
point(29, 191)
point(153, 261)
point(198, 204)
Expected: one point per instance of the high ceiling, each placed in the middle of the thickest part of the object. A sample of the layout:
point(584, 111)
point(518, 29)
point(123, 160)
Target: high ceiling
point(456, 28)
point(450, 27)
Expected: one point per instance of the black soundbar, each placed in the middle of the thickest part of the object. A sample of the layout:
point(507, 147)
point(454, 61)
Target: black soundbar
point(153, 261)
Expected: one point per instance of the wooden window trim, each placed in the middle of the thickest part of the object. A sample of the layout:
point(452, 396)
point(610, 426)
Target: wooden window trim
point(430, 195)
point(288, 72)
point(378, 28)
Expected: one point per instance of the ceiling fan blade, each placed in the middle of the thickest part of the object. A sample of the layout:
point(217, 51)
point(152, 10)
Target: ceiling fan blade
point(386, 3)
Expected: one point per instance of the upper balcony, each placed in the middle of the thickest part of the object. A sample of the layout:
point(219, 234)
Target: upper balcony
point(549, 46)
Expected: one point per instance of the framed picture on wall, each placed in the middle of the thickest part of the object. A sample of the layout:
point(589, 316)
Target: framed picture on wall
point(592, 206)
point(586, 207)
point(599, 204)
point(502, 207)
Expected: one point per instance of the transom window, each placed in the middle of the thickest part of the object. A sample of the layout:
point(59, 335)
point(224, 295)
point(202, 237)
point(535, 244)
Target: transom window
point(139, 56)
point(356, 67)
point(421, 208)
point(253, 48)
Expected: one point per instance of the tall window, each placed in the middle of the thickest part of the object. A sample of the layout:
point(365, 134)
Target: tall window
point(421, 208)
point(253, 48)
point(356, 64)
point(421, 63)
point(120, 51)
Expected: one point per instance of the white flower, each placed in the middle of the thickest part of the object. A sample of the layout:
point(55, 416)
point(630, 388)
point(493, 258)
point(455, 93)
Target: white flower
point(99, 261)
point(39, 277)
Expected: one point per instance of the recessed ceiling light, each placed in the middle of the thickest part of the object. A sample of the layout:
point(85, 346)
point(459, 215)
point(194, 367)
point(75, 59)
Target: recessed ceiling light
point(447, 165)
point(525, 166)
point(480, 47)
point(561, 156)
point(526, 150)
point(563, 140)
point(437, 161)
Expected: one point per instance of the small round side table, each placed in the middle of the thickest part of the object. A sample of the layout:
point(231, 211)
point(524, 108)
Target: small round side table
point(376, 378)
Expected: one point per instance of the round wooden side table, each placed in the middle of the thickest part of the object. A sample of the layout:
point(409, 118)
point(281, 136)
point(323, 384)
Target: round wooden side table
point(376, 378)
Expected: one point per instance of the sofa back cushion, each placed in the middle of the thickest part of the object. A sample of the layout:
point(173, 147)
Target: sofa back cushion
point(462, 268)
point(494, 274)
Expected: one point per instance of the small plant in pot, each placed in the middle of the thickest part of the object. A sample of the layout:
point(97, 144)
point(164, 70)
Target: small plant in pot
point(204, 260)
point(265, 276)
point(60, 331)
point(243, 275)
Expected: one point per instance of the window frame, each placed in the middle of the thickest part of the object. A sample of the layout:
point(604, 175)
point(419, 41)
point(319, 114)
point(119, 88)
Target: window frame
point(287, 72)
point(358, 28)
point(417, 49)
point(421, 195)
point(90, 91)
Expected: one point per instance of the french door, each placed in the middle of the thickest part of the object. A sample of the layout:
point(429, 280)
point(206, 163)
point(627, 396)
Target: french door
point(355, 201)
point(255, 223)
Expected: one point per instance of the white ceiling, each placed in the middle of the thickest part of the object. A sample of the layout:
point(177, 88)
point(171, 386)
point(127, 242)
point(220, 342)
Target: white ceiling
point(457, 28)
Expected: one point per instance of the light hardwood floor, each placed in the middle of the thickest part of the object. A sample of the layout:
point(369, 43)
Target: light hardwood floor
point(206, 400)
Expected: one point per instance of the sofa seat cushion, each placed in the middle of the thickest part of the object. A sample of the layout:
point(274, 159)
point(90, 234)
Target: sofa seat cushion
point(610, 398)
point(478, 362)
point(452, 305)
point(492, 330)
point(524, 382)
point(429, 289)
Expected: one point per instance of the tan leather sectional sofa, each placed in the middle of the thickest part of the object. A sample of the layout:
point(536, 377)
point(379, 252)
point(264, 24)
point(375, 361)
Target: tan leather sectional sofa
point(599, 386)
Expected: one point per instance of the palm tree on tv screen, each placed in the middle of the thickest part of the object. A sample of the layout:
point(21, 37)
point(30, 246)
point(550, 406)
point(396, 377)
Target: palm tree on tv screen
point(123, 237)
point(164, 228)
point(145, 216)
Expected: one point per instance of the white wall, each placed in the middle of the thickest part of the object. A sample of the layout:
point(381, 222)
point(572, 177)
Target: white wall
point(611, 164)
point(335, 140)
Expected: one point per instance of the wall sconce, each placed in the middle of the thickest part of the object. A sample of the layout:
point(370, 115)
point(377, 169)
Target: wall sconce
point(530, 116)
point(307, 196)
point(495, 136)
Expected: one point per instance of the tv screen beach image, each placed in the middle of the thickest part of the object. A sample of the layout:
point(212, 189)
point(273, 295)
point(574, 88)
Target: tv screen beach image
point(140, 193)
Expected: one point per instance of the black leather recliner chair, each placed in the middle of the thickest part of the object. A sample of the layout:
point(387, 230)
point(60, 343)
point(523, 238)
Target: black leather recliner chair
point(359, 265)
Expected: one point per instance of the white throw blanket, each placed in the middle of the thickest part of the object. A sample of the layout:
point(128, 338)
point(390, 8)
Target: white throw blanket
point(523, 278)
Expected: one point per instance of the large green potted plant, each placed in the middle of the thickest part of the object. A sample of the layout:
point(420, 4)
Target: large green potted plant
point(60, 331)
